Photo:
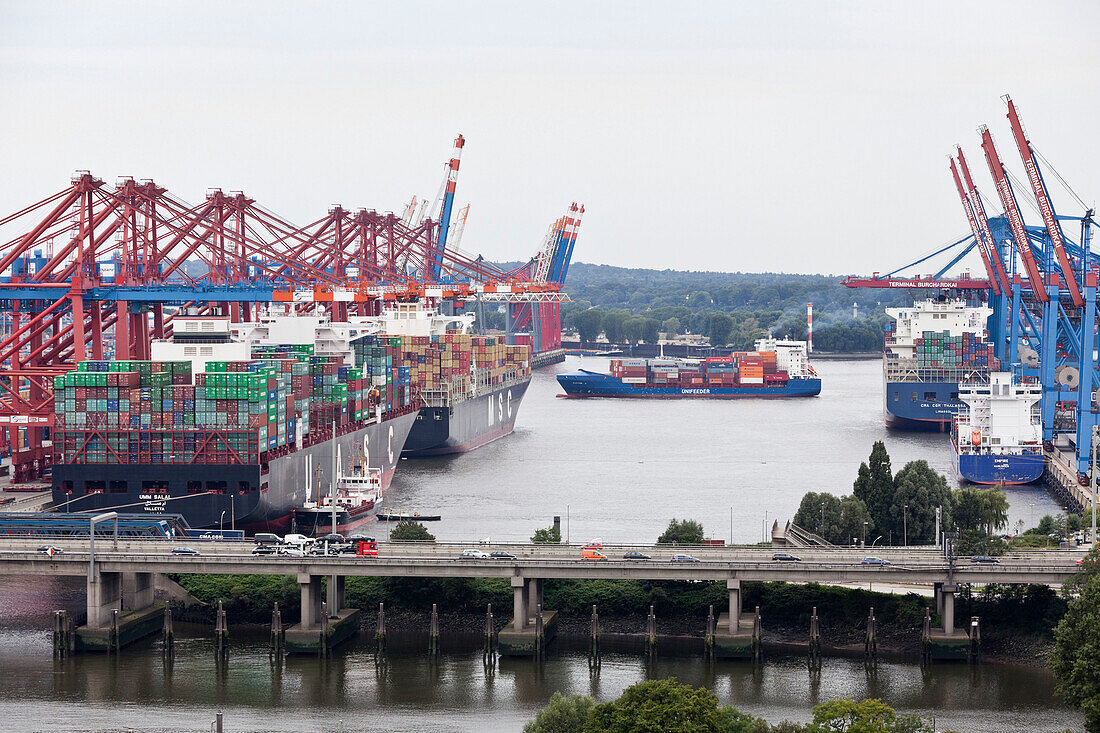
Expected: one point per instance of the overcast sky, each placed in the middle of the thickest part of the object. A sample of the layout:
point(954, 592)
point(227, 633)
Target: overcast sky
point(740, 136)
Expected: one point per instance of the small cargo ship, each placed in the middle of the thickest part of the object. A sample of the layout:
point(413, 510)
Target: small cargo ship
point(997, 435)
point(400, 516)
point(775, 369)
point(929, 349)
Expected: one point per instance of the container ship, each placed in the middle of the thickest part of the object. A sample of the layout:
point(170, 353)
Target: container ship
point(929, 349)
point(775, 369)
point(222, 430)
point(470, 387)
point(997, 435)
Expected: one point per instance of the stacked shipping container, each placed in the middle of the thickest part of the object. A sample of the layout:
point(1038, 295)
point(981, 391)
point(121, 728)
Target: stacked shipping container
point(939, 349)
point(742, 368)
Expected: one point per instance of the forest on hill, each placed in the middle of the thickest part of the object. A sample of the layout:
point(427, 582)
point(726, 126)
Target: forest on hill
point(632, 305)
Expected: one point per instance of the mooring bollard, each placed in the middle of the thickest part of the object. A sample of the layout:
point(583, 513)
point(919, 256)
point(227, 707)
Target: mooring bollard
point(278, 636)
point(973, 652)
point(815, 638)
point(221, 633)
point(708, 636)
point(594, 638)
point(168, 634)
point(926, 638)
point(113, 641)
point(870, 646)
point(540, 632)
point(433, 633)
point(490, 632)
point(757, 636)
point(651, 633)
point(380, 631)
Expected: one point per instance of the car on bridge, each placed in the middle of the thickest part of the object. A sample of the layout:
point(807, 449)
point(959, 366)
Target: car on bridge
point(596, 544)
point(502, 555)
point(984, 559)
point(265, 550)
point(634, 555)
point(184, 551)
point(291, 551)
point(588, 553)
point(474, 555)
point(50, 550)
point(684, 558)
point(785, 557)
point(874, 561)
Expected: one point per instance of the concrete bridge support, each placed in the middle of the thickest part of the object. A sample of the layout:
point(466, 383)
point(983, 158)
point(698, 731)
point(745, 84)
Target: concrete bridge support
point(948, 642)
point(521, 637)
point(120, 611)
point(738, 634)
point(317, 635)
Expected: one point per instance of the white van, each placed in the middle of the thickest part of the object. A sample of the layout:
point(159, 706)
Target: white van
point(297, 540)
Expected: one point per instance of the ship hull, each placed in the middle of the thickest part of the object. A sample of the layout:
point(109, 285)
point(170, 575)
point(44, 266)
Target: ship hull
point(237, 496)
point(318, 522)
point(466, 425)
point(1010, 469)
point(593, 384)
point(927, 406)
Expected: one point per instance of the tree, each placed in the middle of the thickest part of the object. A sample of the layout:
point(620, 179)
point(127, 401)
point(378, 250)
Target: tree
point(409, 531)
point(651, 330)
point(1075, 660)
point(874, 486)
point(548, 536)
point(671, 327)
point(843, 517)
point(634, 329)
point(657, 705)
point(613, 326)
point(682, 532)
point(980, 510)
point(588, 324)
point(922, 490)
point(721, 326)
point(865, 716)
point(562, 715)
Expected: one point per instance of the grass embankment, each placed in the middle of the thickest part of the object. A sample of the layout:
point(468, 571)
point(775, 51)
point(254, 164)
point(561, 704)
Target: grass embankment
point(250, 598)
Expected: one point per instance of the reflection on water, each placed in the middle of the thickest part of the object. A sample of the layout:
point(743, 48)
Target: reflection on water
point(143, 690)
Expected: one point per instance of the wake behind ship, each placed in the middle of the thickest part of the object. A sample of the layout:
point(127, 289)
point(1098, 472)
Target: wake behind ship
point(930, 348)
point(775, 369)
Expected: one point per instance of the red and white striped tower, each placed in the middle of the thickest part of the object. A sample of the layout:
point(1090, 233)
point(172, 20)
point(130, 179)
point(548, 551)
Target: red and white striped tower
point(810, 327)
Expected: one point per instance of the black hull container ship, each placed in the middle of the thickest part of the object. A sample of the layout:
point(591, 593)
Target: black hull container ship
point(234, 448)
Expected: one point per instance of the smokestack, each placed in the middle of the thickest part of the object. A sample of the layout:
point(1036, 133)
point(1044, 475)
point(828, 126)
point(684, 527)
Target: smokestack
point(810, 328)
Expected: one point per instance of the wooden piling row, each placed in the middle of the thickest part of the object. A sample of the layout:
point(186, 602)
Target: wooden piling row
point(63, 636)
point(221, 634)
point(815, 639)
point(870, 644)
point(433, 633)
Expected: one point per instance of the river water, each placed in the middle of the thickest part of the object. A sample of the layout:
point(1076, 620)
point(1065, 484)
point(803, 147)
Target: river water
point(618, 470)
point(621, 469)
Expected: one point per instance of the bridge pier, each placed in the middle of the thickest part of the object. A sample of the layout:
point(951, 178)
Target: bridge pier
point(522, 637)
point(128, 594)
point(948, 643)
point(738, 634)
point(315, 634)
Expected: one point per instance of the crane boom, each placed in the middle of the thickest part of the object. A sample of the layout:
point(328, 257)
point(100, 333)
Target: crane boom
point(978, 239)
point(983, 221)
point(1012, 211)
point(1046, 208)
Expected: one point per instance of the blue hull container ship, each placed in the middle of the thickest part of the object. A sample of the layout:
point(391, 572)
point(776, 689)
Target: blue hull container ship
point(997, 435)
point(775, 369)
point(929, 349)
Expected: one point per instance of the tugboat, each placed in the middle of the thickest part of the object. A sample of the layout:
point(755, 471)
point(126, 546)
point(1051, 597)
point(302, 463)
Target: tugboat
point(357, 496)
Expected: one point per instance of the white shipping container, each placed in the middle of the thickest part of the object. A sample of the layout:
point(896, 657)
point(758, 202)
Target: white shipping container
point(634, 380)
point(752, 380)
point(633, 362)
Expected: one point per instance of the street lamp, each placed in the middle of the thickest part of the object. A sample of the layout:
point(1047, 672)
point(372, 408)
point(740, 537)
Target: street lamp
point(822, 519)
point(864, 542)
point(220, 520)
point(905, 525)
